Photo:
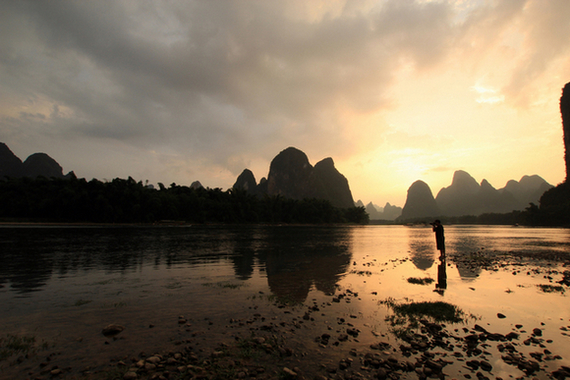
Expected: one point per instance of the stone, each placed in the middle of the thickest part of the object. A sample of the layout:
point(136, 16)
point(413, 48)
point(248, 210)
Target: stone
point(112, 330)
point(154, 359)
point(289, 372)
point(56, 372)
point(381, 373)
point(149, 366)
point(130, 376)
point(485, 366)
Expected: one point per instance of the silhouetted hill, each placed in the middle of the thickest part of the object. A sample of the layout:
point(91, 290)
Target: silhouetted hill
point(196, 185)
point(37, 164)
point(292, 176)
point(10, 165)
point(528, 190)
point(245, 181)
point(490, 199)
point(459, 198)
point(331, 185)
point(391, 212)
point(420, 202)
point(373, 212)
point(388, 212)
point(466, 197)
point(40, 164)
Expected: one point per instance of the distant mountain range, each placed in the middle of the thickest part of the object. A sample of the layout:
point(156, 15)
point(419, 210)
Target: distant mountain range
point(388, 212)
point(292, 176)
point(467, 197)
point(37, 164)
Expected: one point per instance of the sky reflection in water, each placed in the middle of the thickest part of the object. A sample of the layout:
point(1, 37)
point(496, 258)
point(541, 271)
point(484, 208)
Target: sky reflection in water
point(52, 277)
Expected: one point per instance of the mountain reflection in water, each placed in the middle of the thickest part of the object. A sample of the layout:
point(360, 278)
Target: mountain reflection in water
point(64, 284)
point(294, 258)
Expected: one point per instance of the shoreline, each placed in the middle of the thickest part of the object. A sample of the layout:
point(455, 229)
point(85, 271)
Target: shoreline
point(327, 338)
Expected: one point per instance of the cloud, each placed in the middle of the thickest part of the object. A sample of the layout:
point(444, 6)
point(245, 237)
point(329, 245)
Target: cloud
point(197, 70)
point(217, 84)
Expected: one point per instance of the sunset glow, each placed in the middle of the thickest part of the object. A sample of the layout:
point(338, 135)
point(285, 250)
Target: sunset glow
point(394, 91)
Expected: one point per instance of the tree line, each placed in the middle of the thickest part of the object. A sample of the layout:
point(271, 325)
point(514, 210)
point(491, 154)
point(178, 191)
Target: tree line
point(128, 201)
point(556, 215)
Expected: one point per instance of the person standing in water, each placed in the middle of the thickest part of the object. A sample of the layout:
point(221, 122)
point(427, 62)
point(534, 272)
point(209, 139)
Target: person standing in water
point(440, 243)
point(439, 238)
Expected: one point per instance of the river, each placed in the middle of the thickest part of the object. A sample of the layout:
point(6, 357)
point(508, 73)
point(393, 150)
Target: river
point(63, 284)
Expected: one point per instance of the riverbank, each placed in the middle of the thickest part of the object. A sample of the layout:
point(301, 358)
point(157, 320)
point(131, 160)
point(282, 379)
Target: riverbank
point(353, 327)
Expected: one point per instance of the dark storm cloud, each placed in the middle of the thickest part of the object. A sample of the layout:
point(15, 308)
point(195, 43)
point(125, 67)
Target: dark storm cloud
point(216, 79)
point(203, 70)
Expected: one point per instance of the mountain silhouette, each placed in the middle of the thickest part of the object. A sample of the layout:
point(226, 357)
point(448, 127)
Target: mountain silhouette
point(528, 190)
point(391, 212)
point(466, 197)
point(419, 202)
point(458, 198)
point(292, 176)
point(388, 212)
point(10, 165)
point(373, 212)
point(37, 164)
point(246, 181)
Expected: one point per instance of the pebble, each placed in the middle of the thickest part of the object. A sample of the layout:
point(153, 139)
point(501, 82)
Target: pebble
point(111, 330)
point(130, 376)
point(154, 359)
point(56, 372)
point(289, 372)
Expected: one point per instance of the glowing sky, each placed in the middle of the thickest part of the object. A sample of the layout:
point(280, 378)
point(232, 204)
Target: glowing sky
point(393, 90)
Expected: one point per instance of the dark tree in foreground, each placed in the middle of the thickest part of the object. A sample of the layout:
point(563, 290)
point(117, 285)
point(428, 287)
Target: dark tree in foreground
point(565, 111)
point(555, 203)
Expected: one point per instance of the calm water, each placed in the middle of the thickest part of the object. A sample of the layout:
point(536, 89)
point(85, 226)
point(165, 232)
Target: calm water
point(63, 284)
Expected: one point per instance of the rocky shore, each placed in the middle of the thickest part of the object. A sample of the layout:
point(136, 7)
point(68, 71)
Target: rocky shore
point(431, 352)
point(313, 341)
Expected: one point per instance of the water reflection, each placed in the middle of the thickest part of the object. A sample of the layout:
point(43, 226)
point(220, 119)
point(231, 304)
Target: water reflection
point(300, 258)
point(422, 247)
point(294, 258)
point(466, 244)
point(441, 284)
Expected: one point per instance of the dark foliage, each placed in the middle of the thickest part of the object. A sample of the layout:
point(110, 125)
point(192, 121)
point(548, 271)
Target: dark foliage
point(565, 113)
point(129, 201)
point(555, 206)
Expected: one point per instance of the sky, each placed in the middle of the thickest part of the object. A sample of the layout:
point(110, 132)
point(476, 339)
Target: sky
point(393, 90)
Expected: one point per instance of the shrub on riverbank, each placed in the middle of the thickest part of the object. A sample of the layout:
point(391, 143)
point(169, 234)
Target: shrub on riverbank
point(129, 201)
